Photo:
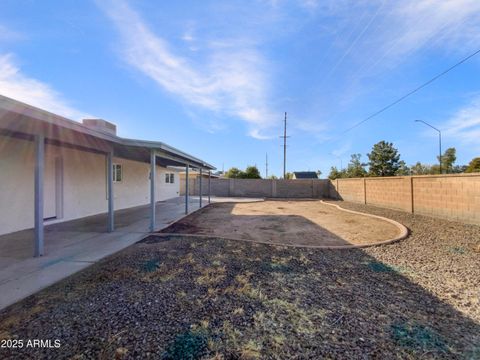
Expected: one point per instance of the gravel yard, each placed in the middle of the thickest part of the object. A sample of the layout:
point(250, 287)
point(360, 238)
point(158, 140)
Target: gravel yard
point(180, 297)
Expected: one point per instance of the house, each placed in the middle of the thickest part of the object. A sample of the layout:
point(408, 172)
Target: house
point(53, 169)
point(304, 175)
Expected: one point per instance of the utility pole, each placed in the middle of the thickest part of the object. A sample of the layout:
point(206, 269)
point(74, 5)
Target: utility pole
point(266, 165)
point(439, 143)
point(285, 146)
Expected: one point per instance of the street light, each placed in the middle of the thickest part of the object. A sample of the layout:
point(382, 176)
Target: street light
point(439, 141)
point(339, 158)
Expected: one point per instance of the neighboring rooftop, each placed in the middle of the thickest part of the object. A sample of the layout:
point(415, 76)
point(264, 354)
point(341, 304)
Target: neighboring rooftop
point(305, 175)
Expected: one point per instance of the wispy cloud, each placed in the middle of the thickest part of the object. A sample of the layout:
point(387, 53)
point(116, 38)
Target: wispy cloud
point(233, 81)
point(7, 34)
point(434, 23)
point(388, 33)
point(18, 86)
point(464, 125)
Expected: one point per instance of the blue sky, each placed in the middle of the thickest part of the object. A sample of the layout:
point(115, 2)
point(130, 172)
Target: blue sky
point(214, 78)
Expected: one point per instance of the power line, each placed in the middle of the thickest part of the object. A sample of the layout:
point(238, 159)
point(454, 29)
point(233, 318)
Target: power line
point(411, 92)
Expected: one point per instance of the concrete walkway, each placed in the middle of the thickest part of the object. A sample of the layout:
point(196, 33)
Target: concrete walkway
point(72, 246)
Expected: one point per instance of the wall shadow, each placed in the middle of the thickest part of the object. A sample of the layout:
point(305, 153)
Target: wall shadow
point(281, 229)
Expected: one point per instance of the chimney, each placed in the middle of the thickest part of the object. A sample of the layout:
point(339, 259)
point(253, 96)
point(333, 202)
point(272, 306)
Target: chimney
point(101, 125)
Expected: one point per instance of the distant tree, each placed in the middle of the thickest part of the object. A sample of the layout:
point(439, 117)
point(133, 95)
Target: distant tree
point(336, 174)
point(420, 169)
point(234, 173)
point(319, 173)
point(473, 166)
point(458, 169)
point(273, 177)
point(251, 172)
point(289, 175)
point(448, 159)
point(403, 169)
point(384, 159)
point(355, 167)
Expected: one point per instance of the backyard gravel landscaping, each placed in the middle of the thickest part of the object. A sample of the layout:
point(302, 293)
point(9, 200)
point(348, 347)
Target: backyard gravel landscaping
point(180, 297)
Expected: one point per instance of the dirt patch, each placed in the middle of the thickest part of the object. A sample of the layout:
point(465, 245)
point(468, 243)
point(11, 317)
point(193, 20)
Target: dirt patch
point(305, 223)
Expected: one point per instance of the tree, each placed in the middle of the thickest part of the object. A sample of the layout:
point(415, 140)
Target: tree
point(273, 177)
point(403, 169)
point(355, 167)
point(384, 159)
point(251, 172)
point(448, 159)
point(319, 173)
point(234, 173)
point(420, 169)
point(473, 166)
point(458, 169)
point(336, 174)
point(289, 175)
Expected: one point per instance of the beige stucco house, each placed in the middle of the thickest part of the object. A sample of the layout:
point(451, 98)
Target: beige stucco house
point(53, 169)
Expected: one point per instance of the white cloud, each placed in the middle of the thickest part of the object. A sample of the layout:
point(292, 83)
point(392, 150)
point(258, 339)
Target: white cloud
point(435, 23)
point(233, 81)
point(464, 126)
point(399, 31)
point(7, 34)
point(18, 86)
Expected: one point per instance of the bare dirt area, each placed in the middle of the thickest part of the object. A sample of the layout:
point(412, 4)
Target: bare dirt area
point(303, 223)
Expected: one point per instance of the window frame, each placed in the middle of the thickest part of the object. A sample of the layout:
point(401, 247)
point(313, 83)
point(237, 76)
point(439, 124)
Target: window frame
point(117, 168)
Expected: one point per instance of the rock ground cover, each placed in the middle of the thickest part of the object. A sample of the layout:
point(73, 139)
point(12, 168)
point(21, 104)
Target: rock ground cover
point(180, 297)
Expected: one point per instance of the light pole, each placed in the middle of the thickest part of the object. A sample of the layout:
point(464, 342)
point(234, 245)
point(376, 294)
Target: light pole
point(439, 141)
point(338, 158)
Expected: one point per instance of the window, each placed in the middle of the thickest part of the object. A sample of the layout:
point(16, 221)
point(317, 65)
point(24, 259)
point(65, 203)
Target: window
point(170, 178)
point(117, 173)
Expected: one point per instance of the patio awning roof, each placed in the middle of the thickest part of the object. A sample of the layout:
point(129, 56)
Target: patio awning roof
point(25, 121)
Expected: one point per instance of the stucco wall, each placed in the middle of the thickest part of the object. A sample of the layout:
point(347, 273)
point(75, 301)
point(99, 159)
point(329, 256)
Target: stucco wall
point(83, 189)
point(16, 184)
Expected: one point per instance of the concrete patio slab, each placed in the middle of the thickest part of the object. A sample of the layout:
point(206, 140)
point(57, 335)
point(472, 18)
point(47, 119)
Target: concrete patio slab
point(74, 245)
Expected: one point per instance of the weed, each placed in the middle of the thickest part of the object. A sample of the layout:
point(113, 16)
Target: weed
point(150, 265)
point(189, 345)
point(238, 311)
point(251, 350)
point(211, 276)
point(417, 336)
point(380, 267)
point(460, 250)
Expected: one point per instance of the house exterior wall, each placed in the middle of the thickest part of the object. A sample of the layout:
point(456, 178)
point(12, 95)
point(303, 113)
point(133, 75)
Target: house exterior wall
point(83, 183)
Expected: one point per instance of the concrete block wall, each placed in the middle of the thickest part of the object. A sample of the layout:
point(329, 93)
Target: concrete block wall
point(350, 189)
point(261, 188)
point(449, 197)
point(393, 193)
point(455, 196)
